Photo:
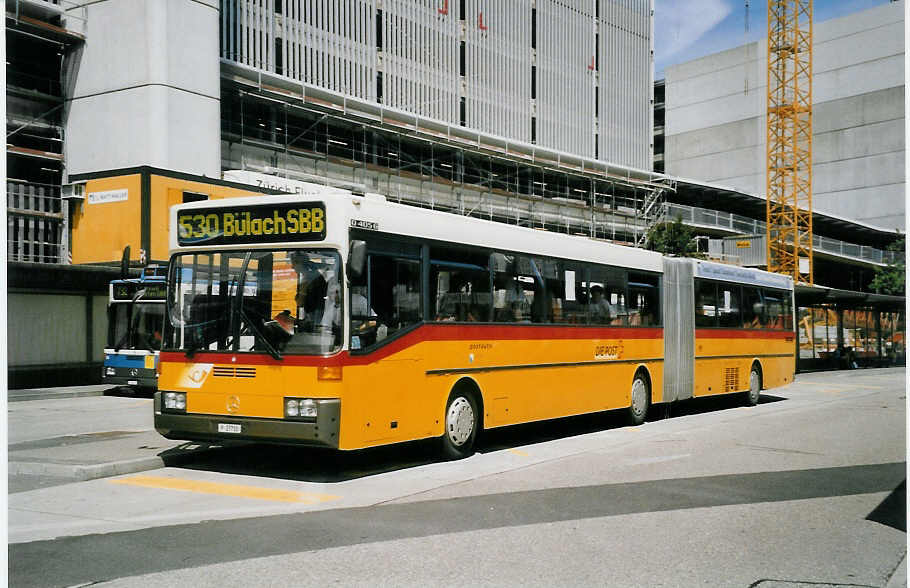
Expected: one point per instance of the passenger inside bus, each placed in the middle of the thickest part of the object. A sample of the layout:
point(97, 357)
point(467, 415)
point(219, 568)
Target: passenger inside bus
point(598, 307)
point(312, 290)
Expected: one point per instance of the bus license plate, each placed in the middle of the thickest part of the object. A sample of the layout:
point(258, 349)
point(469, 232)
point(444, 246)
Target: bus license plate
point(132, 382)
point(228, 428)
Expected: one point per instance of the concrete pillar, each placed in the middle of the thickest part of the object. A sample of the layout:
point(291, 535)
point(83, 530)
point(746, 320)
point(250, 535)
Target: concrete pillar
point(146, 88)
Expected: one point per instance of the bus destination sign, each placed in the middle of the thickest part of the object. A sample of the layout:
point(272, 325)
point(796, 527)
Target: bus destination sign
point(126, 291)
point(263, 223)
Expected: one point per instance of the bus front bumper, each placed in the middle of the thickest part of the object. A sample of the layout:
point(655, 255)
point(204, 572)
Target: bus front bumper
point(206, 427)
point(136, 377)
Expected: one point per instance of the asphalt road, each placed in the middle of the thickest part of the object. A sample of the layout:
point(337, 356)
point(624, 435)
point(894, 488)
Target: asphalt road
point(806, 489)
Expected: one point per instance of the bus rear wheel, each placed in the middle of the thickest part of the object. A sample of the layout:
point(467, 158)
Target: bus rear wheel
point(461, 424)
point(639, 401)
point(754, 392)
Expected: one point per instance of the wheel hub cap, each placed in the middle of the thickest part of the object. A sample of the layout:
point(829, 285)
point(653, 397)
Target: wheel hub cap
point(639, 397)
point(460, 421)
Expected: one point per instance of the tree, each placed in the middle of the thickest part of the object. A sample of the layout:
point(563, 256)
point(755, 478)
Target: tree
point(673, 238)
point(892, 278)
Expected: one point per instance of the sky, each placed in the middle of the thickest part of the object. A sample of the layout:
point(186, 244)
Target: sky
point(688, 29)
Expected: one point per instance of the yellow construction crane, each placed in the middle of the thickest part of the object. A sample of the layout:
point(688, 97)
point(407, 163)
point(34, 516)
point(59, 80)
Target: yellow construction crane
point(789, 139)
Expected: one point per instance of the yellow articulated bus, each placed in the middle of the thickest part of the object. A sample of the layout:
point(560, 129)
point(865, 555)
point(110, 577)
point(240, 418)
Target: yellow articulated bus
point(347, 321)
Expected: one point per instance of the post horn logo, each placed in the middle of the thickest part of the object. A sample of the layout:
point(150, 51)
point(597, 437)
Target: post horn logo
point(233, 404)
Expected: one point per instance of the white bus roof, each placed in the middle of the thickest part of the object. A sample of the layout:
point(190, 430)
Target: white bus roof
point(373, 210)
point(740, 275)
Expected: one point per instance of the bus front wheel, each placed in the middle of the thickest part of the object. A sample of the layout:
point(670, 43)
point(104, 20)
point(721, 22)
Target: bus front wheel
point(640, 399)
point(754, 386)
point(461, 424)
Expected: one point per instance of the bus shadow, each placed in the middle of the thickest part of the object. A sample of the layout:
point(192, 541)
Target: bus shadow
point(128, 392)
point(518, 435)
point(311, 464)
point(694, 406)
point(307, 464)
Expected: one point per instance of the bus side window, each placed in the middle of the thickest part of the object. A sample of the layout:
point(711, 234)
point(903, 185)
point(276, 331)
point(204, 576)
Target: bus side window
point(569, 302)
point(774, 309)
point(728, 307)
point(705, 303)
point(753, 308)
point(513, 288)
point(543, 272)
point(788, 311)
point(460, 285)
point(644, 300)
point(607, 302)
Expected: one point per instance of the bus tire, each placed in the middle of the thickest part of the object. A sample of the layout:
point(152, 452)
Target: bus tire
point(462, 419)
point(754, 392)
point(639, 399)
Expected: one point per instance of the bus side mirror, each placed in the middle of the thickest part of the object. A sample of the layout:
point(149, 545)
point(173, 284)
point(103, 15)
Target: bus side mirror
point(357, 257)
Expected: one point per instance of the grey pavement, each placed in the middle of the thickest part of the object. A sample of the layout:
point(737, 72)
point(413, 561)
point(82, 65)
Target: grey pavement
point(785, 494)
point(62, 435)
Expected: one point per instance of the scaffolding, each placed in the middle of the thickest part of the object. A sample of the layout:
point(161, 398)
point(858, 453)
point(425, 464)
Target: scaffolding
point(321, 137)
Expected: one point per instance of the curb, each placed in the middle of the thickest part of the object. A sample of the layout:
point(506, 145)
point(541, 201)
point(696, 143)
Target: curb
point(81, 473)
point(52, 393)
point(85, 472)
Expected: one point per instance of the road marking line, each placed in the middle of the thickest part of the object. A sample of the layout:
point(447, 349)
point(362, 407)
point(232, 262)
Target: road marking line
point(517, 452)
point(226, 489)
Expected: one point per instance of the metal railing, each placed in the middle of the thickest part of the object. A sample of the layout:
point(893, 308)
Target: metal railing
point(737, 224)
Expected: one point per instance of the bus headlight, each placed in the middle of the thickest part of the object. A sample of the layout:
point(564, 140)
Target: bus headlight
point(109, 371)
point(175, 401)
point(300, 408)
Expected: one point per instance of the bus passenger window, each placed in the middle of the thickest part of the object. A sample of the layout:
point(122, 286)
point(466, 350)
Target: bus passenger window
point(774, 309)
point(644, 300)
point(753, 308)
point(728, 306)
point(513, 288)
point(460, 285)
point(569, 298)
point(607, 296)
point(390, 304)
point(705, 304)
point(788, 311)
point(543, 272)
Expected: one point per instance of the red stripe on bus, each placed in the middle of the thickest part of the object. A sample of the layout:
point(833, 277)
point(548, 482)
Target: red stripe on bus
point(427, 332)
point(743, 334)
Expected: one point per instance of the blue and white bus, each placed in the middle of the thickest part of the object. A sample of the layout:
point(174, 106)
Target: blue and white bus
point(135, 321)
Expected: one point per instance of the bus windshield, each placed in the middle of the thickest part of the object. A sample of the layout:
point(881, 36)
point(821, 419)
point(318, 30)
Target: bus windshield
point(260, 301)
point(135, 325)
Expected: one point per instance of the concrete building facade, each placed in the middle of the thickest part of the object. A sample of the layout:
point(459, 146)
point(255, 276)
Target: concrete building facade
point(715, 113)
